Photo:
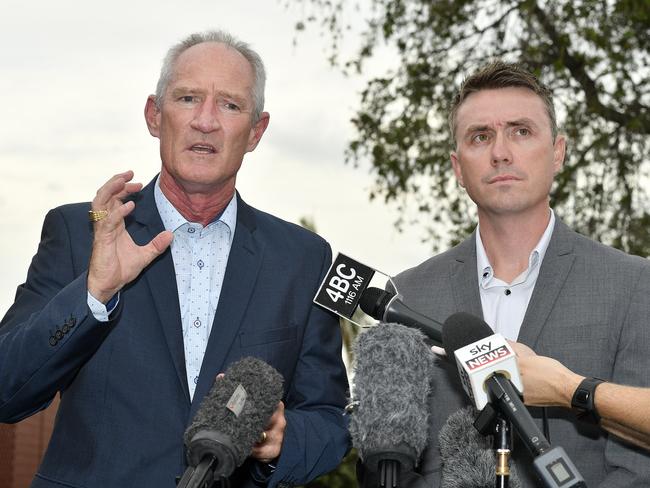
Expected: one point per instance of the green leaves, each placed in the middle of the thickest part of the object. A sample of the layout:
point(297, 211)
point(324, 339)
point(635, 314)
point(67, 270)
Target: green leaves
point(593, 54)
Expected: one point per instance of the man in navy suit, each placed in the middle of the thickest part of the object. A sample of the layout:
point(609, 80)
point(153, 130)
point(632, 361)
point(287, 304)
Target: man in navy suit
point(132, 315)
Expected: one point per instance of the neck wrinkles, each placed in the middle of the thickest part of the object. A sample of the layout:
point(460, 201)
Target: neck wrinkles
point(196, 207)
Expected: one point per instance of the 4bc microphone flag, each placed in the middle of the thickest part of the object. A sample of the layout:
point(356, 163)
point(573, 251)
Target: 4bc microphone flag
point(343, 286)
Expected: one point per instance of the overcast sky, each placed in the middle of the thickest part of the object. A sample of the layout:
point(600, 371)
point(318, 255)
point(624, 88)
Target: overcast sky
point(75, 77)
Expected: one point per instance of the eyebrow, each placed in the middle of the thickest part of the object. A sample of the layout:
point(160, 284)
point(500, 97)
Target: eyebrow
point(183, 90)
point(511, 123)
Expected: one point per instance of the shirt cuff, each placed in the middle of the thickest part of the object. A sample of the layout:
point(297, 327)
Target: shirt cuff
point(100, 311)
point(261, 472)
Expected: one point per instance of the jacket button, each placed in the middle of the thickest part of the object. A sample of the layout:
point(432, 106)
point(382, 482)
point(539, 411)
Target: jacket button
point(53, 341)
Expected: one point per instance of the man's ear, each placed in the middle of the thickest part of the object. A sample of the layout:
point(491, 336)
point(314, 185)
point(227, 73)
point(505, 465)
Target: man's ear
point(152, 116)
point(559, 151)
point(257, 131)
point(453, 156)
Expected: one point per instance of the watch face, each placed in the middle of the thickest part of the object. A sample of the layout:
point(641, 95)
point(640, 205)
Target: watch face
point(583, 399)
point(582, 396)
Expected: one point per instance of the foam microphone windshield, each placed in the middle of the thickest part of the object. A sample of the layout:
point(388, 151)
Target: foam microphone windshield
point(461, 329)
point(468, 460)
point(233, 415)
point(393, 367)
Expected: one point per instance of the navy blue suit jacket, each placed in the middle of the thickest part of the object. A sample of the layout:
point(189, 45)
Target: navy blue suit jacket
point(124, 395)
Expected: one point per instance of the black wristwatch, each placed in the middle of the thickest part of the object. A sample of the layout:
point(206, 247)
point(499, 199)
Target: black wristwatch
point(583, 400)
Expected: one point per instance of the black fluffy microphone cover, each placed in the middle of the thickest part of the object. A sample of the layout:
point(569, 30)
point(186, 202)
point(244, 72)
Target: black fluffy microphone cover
point(393, 367)
point(468, 460)
point(233, 414)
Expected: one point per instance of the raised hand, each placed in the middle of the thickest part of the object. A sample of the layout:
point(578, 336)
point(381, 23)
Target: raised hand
point(116, 260)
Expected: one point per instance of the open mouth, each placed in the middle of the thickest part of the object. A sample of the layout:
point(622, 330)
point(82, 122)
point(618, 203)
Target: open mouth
point(203, 149)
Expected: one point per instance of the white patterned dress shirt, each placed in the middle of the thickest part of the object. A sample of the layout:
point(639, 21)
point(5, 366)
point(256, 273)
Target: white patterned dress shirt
point(200, 257)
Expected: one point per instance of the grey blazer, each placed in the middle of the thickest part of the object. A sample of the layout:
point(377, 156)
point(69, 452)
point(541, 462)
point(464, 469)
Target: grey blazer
point(590, 310)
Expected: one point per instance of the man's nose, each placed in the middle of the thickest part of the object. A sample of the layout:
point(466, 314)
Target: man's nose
point(501, 149)
point(206, 118)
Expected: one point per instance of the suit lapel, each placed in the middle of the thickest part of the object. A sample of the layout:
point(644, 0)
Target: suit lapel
point(239, 280)
point(161, 279)
point(464, 278)
point(556, 266)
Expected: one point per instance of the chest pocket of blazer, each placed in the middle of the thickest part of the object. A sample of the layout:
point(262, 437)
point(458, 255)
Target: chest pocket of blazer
point(585, 347)
point(563, 336)
point(267, 336)
point(277, 347)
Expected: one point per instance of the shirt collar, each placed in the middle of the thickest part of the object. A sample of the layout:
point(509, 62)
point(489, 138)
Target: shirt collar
point(484, 267)
point(172, 219)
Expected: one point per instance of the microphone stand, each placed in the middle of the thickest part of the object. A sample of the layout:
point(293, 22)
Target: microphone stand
point(491, 422)
point(552, 464)
point(502, 447)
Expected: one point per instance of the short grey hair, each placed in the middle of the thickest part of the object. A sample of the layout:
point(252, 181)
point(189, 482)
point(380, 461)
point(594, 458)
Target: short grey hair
point(221, 37)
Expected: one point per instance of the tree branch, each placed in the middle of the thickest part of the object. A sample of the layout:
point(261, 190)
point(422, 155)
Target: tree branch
point(635, 120)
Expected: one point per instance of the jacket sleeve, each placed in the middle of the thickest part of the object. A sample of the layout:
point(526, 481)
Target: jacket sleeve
point(316, 437)
point(629, 466)
point(49, 332)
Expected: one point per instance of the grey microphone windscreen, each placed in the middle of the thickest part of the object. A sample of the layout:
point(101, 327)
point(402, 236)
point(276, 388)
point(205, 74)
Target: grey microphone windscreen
point(233, 414)
point(392, 372)
point(468, 460)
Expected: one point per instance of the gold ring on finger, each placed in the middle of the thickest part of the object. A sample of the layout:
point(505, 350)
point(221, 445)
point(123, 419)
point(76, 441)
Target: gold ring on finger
point(97, 215)
point(263, 438)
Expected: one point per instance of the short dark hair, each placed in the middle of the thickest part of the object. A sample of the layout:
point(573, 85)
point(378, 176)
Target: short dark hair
point(499, 74)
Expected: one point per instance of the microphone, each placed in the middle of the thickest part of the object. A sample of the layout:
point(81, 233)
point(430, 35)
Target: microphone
point(390, 413)
point(461, 329)
point(487, 366)
point(480, 353)
point(229, 421)
point(388, 307)
point(467, 457)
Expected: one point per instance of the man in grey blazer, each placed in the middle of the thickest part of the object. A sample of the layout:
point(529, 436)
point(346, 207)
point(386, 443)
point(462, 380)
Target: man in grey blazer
point(531, 277)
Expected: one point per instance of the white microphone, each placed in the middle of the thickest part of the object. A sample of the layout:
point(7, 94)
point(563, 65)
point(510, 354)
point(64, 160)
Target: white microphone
point(482, 359)
point(491, 360)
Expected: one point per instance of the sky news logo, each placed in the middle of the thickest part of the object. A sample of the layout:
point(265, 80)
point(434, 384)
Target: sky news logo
point(488, 357)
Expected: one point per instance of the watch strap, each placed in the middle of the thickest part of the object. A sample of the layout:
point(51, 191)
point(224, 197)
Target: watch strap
point(583, 399)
